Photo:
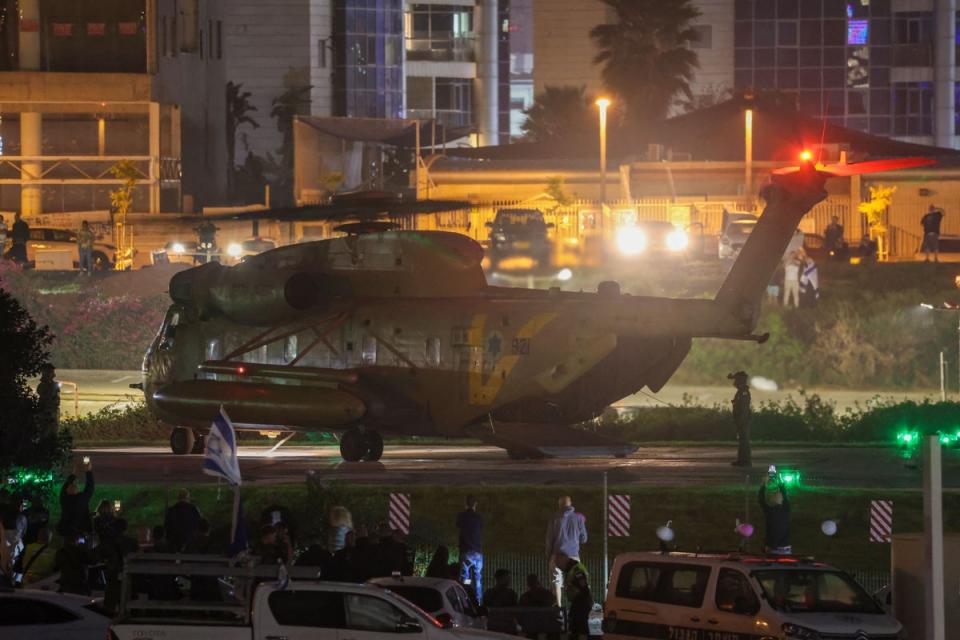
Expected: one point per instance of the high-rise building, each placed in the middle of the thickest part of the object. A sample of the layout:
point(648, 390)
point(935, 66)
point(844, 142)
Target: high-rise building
point(886, 67)
point(85, 85)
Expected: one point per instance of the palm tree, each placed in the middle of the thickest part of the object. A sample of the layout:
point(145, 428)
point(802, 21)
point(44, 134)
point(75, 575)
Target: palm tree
point(238, 110)
point(646, 56)
point(559, 112)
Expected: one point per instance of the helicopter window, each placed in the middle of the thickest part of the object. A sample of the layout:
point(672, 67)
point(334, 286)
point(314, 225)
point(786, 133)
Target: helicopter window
point(213, 349)
point(433, 352)
point(290, 349)
point(368, 352)
point(169, 330)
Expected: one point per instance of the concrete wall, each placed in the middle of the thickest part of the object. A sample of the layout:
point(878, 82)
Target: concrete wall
point(196, 82)
point(271, 45)
point(562, 50)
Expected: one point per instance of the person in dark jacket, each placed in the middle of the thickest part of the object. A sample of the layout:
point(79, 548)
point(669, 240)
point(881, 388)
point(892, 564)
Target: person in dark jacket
point(439, 563)
point(931, 233)
point(833, 238)
point(19, 236)
point(776, 512)
point(470, 526)
point(73, 562)
point(581, 603)
point(501, 594)
point(182, 522)
point(75, 505)
point(536, 594)
point(742, 417)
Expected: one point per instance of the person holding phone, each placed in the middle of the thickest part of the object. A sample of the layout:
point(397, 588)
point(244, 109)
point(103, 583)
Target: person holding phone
point(75, 504)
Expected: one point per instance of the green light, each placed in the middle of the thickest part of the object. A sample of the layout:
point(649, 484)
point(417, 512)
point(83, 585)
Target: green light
point(908, 438)
point(790, 478)
point(947, 438)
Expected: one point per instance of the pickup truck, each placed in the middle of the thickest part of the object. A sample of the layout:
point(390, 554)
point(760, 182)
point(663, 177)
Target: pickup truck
point(260, 602)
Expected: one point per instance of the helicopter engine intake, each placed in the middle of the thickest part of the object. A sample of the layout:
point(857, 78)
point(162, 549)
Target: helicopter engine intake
point(245, 293)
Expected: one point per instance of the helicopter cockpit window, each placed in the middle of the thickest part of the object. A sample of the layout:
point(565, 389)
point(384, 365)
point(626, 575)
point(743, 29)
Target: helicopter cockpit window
point(433, 352)
point(169, 330)
point(368, 351)
point(290, 349)
point(213, 349)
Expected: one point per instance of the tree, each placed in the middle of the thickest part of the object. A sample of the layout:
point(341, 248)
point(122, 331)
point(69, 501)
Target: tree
point(122, 200)
point(646, 56)
point(238, 114)
point(559, 113)
point(26, 349)
point(292, 102)
point(875, 210)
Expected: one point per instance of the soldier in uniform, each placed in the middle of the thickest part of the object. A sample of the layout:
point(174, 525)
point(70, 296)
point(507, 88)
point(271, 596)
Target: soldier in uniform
point(742, 415)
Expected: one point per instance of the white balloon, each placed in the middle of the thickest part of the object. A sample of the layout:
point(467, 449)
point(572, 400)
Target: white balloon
point(665, 533)
point(763, 384)
point(828, 527)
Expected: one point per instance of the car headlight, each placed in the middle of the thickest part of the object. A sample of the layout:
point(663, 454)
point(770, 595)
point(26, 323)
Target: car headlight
point(564, 275)
point(234, 250)
point(178, 247)
point(796, 632)
point(677, 240)
point(631, 241)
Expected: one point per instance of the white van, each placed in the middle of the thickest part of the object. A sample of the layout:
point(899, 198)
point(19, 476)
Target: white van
point(735, 597)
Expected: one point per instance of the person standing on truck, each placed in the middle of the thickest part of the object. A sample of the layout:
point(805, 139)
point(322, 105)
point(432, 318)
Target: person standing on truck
point(182, 522)
point(470, 526)
point(75, 505)
point(776, 515)
point(566, 531)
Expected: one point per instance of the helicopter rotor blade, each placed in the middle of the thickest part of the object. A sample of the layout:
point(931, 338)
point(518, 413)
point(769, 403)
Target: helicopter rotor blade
point(860, 168)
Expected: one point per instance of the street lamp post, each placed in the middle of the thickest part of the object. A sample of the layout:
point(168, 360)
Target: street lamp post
point(956, 309)
point(748, 154)
point(602, 104)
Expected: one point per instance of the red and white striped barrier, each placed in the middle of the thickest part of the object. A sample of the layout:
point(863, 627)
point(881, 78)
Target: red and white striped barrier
point(618, 516)
point(881, 520)
point(398, 515)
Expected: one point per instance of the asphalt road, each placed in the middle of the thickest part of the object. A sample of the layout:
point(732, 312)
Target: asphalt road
point(470, 465)
point(100, 388)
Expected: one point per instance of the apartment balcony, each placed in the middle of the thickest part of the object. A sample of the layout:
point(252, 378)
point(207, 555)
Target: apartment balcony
point(913, 55)
point(444, 48)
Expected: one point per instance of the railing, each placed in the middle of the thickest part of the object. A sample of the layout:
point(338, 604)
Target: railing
point(61, 170)
point(913, 55)
point(442, 49)
point(446, 117)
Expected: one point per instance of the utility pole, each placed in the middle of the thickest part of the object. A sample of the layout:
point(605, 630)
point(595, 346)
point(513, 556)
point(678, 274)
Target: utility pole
point(933, 538)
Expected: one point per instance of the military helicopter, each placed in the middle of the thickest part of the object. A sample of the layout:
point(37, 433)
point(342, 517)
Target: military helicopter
point(384, 331)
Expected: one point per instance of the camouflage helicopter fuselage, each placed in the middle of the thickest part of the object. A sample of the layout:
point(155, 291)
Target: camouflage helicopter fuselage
point(399, 332)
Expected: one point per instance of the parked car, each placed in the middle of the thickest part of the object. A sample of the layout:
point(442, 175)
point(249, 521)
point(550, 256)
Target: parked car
point(734, 236)
point(49, 239)
point(250, 247)
point(652, 239)
point(519, 241)
point(445, 600)
point(685, 595)
point(45, 615)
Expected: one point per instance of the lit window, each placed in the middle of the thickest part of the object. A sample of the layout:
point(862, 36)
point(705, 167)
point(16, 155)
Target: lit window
point(858, 31)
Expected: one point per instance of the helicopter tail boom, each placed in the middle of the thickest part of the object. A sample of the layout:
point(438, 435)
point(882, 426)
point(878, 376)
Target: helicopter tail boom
point(789, 197)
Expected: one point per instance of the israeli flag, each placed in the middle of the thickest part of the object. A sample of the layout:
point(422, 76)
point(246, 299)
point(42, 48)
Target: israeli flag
point(220, 453)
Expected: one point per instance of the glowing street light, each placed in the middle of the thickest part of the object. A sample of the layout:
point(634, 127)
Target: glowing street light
point(602, 104)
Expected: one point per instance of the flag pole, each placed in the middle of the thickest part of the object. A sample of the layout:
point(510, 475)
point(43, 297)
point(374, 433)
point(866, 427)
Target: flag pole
point(606, 532)
point(236, 513)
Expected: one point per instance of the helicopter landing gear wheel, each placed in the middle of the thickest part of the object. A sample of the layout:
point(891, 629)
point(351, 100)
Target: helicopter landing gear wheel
point(182, 440)
point(353, 445)
point(374, 442)
point(199, 443)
